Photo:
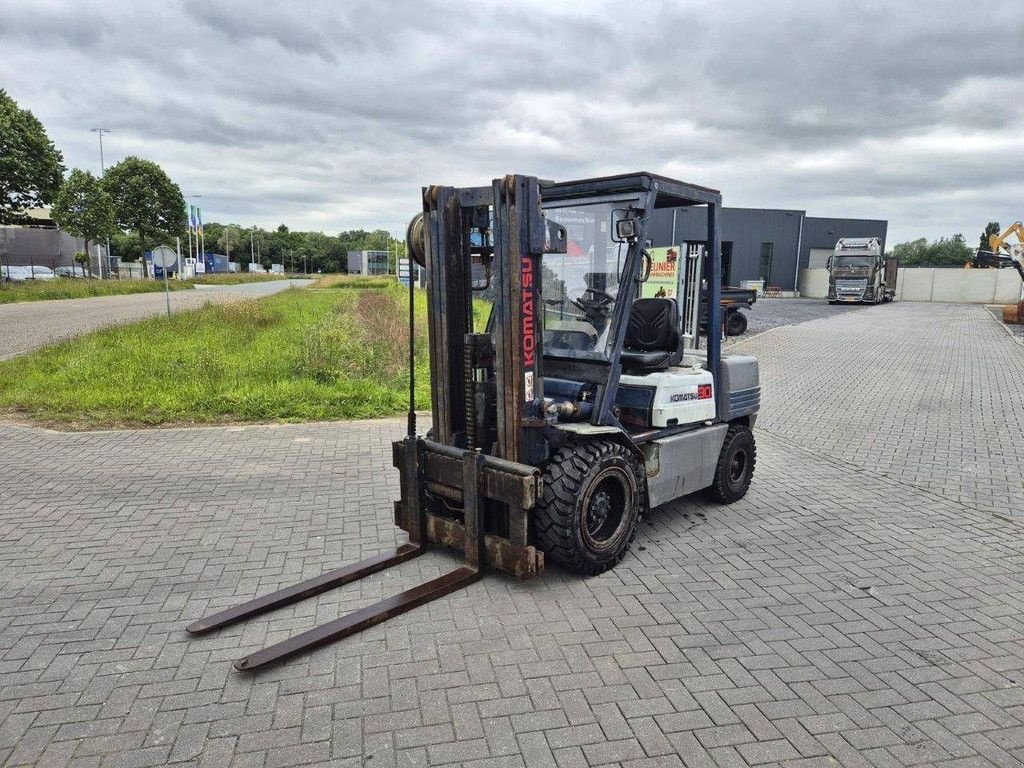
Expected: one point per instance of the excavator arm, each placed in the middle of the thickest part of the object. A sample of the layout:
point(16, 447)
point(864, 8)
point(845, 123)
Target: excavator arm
point(996, 242)
point(1000, 254)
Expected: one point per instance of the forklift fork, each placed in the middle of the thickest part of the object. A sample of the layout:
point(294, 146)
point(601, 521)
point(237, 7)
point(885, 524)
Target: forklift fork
point(486, 499)
point(350, 624)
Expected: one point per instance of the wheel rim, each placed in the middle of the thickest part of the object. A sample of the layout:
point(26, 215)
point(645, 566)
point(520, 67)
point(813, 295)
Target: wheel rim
point(605, 508)
point(738, 467)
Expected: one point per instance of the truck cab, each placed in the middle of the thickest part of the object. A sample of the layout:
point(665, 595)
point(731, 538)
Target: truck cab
point(859, 272)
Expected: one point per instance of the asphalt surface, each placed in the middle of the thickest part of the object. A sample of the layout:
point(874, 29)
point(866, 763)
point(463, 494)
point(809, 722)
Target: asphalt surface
point(862, 606)
point(771, 313)
point(28, 325)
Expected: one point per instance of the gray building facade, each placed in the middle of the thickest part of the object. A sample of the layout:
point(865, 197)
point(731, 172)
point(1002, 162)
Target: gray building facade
point(39, 246)
point(821, 234)
point(368, 262)
point(762, 243)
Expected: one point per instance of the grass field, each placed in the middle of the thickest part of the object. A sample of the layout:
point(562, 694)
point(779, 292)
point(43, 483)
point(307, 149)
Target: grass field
point(62, 288)
point(300, 355)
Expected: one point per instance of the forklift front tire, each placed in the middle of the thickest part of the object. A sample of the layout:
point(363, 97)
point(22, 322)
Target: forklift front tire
point(592, 500)
point(735, 465)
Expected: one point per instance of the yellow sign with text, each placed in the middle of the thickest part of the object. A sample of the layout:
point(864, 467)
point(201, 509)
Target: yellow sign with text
point(664, 278)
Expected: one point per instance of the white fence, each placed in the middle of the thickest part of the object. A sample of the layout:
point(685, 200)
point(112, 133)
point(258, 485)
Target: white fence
point(957, 285)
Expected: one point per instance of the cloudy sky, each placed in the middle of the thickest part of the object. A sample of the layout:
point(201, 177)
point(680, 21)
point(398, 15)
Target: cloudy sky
point(331, 114)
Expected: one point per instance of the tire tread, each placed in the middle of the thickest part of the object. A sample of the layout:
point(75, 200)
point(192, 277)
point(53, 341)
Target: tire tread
point(555, 513)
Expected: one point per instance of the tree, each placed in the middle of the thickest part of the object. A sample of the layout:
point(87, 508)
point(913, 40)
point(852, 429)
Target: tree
point(125, 246)
point(82, 257)
point(31, 167)
point(230, 239)
point(146, 201)
point(951, 252)
point(992, 228)
point(83, 208)
point(944, 252)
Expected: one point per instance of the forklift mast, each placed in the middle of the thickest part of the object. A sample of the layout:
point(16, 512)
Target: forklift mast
point(474, 372)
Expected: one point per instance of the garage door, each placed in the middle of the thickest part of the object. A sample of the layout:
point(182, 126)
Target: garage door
point(818, 258)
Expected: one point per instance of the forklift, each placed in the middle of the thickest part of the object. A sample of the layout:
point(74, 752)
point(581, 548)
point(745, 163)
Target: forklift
point(577, 408)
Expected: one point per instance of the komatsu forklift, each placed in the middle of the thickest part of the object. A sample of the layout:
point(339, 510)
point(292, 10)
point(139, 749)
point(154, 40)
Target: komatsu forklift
point(576, 409)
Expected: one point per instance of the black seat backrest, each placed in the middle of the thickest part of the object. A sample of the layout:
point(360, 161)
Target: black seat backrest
point(653, 326)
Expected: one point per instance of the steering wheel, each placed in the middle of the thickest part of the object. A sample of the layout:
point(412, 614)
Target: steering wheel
point(600, 302)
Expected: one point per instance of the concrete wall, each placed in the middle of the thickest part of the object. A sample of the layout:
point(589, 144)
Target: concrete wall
point(960, 286)
point(814, 283)
point(968, 286)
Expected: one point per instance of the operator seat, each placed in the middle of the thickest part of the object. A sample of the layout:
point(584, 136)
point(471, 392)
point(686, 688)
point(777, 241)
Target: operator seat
point(652, 336)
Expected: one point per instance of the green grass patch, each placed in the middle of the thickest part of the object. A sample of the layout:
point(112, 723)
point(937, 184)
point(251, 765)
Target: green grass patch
point(356, 282)
point(234, 278)
point(300, 355)
point(66, 288)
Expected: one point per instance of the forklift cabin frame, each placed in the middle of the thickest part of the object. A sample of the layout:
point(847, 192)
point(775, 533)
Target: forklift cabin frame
point(519, 244)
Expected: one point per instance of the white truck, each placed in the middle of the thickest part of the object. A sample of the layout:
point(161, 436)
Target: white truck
point(859, 272)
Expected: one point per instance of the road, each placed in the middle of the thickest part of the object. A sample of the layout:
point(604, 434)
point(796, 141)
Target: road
point(862, 606)
point(28, 325)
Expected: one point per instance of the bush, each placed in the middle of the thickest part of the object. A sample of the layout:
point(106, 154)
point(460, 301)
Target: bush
point(944, 252)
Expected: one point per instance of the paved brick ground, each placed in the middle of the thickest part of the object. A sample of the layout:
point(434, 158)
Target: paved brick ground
point(929, 394)
point(27, 325)
point(848, 612)
point(1015, 330)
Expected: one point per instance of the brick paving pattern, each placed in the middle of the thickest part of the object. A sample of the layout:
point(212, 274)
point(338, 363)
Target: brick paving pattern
point(1016, 330)
point(929, 394)
point(862, 606)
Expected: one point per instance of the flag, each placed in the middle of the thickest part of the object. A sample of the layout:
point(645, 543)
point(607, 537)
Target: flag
point(192, 217)
point(199, 218)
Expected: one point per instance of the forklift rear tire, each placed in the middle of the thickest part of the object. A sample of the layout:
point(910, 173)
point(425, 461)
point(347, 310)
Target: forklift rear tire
point(735, 465)
point(592, 500)
point(735, 323)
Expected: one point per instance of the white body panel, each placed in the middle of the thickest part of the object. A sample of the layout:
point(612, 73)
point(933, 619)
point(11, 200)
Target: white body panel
point(682, 395)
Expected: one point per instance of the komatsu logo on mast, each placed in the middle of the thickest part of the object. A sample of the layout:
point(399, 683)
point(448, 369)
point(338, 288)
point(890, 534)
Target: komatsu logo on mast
point(528, 323)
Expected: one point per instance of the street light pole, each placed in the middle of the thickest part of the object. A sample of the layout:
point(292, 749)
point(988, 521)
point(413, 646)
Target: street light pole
point(103, 171)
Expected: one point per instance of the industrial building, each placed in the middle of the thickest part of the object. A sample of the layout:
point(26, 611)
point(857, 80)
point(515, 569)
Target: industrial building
point(40, 243)
point(368, 262)
point(764, 243)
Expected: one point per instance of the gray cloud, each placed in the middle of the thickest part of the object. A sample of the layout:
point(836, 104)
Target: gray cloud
point(331, 115)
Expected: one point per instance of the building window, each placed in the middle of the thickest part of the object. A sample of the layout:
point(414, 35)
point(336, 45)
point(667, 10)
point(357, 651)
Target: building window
point(376, 262)
point(766, 262)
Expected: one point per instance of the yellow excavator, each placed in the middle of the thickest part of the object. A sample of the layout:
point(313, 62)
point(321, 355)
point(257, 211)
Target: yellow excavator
point(1001, 252)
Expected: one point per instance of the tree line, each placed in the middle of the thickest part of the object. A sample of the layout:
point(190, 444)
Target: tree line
point(944, 252)
point(136, 206)
point(298, 251)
